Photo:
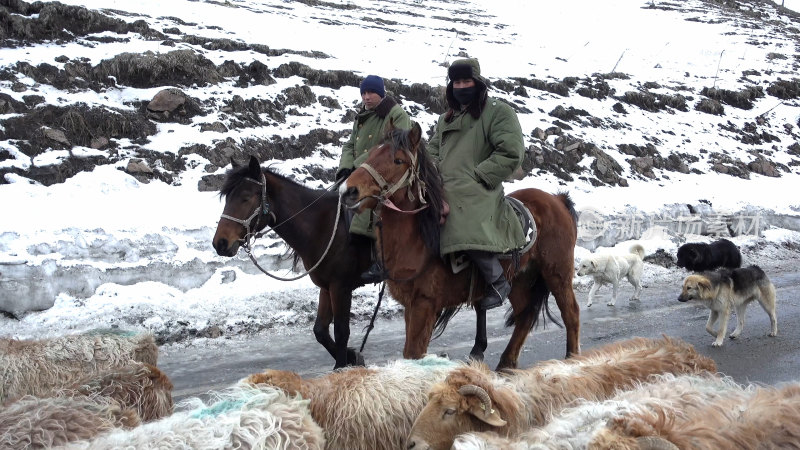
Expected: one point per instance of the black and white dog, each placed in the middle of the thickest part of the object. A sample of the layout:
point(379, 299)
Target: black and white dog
point(699, 256)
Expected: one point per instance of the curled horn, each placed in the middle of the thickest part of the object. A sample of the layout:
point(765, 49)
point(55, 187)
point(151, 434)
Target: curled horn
point(471, 389)
point(655, 443)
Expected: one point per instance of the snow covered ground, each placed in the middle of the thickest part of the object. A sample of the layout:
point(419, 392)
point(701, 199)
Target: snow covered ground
point(107, 250)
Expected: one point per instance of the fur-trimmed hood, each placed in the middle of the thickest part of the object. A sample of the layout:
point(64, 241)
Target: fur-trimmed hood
point(383, 108)
point(473, 67)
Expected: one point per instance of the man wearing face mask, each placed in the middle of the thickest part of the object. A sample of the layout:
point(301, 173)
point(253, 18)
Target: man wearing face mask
point(376, 111)
point(477, 145)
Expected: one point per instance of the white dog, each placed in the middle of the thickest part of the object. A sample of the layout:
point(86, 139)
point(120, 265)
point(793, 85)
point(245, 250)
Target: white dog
point(612, 269)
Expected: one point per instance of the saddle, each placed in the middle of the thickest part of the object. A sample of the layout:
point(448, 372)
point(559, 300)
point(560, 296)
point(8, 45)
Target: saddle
point(460, 261)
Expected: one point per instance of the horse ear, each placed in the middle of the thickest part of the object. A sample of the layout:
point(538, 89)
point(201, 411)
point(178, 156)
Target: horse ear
point(415, 134)
point(387, 130)
point(255, 166)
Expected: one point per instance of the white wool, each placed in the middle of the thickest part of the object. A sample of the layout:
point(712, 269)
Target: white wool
point(239, 417)
point(37, 367)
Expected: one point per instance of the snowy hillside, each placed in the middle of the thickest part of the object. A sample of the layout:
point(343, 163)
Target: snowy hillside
point(118, 120)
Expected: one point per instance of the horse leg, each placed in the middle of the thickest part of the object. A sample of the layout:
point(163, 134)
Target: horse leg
point(561, 287)
point(522, 298)
point(323, 321)
point(420, 318)
point(481, 340)
point(340, 302)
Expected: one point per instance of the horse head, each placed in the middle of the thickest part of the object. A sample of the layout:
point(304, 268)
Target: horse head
point(398, 173)
point(246, 208)
point(391, 171)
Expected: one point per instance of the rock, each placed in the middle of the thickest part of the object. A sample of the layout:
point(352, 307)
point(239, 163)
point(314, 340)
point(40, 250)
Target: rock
point(172, 105)
point(167, 100)
point(710, 106)
point(619, 108)
point(32, 100)
point(763, 166)
point(56, 135)
point(539, 133)
point(643, 165)
point(10, 105)
point(218, 127)
point(137, 166)
point(210, 183)
point(99, 142)
point(661, 258)
point(211, 332)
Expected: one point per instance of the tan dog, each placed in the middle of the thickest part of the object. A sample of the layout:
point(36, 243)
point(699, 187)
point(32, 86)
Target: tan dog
point(726, 289)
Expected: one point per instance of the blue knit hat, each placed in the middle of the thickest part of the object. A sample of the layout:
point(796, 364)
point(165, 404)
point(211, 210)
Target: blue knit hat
point(374, 84)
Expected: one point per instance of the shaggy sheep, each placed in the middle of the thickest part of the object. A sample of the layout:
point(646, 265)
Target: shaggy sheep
point(33, 423)
point(140, 386)
point(36, 367)
point(241, 417)
point(476, 399)
point(768, 417)
point(120, 397)
point(575, 427)
point(365, 408)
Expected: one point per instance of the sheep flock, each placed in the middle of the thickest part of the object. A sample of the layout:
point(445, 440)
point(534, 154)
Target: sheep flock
point(104, 390)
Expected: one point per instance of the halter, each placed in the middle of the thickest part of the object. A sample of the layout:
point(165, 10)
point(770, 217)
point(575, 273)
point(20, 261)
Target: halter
point(261, 209)
point(408, 179)
point(264, 209)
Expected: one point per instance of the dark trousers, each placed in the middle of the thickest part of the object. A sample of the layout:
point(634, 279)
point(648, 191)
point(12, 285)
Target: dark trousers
point(488, 265)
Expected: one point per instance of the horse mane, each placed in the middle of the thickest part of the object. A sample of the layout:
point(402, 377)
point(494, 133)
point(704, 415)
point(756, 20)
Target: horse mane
point(429, 218)
point(233, 178)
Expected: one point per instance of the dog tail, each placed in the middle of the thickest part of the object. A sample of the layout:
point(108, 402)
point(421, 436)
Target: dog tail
point(637, 249)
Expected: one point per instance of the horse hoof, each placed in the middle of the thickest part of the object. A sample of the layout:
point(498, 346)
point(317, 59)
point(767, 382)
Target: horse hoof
point(476, 356)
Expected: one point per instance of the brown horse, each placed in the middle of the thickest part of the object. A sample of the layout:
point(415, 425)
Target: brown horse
point(395, 178)
point(304, 218)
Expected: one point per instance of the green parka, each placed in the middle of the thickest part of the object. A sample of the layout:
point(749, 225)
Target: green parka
point(368, 130)
point(476, 149)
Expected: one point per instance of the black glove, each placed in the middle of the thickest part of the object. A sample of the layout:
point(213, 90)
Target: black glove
point(343, 173)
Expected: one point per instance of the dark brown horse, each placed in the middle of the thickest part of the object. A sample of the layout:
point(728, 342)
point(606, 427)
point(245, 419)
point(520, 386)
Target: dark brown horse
point(420, 279)
point(304, 218)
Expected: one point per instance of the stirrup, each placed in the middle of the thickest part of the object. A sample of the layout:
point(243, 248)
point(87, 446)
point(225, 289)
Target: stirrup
point(375, 274)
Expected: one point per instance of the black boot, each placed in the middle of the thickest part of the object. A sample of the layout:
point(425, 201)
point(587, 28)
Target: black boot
point(376, 273)
point(497, 286)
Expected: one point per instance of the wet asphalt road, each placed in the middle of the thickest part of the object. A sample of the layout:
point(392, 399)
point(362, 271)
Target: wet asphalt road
point(753, 358)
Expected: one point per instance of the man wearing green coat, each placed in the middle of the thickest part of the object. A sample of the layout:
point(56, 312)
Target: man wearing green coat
point(477, 145)
point(375, 113)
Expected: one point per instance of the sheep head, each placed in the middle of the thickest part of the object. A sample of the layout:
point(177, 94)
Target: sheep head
point(460, 404)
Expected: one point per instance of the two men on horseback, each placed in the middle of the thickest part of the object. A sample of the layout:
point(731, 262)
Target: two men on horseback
point(376, 111)
point(477, 145)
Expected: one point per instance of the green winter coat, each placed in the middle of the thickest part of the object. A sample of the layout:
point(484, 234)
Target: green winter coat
point(368, 130)
point(476, 150)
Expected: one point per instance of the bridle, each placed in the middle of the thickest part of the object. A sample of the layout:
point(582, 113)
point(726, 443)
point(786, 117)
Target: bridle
point(409, 178)
point(263, 209)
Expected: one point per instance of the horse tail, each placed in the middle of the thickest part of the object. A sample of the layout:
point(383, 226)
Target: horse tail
point(570, 205)
point(536, 306)
point(444, 319)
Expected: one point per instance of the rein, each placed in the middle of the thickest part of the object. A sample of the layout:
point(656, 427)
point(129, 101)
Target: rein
point(263, 209)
